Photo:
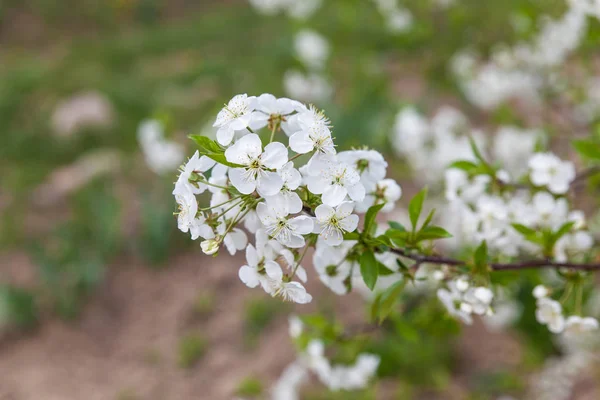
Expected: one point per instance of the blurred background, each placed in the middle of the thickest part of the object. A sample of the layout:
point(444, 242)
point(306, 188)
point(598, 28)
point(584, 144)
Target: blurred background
point(102, 298)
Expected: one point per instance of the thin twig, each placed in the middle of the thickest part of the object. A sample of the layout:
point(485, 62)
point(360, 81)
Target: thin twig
point(527, 264)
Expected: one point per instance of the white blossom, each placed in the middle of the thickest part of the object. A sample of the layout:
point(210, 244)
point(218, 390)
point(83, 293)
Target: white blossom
point(257, 173)
point(549, 312)
point(332, 223)
point(548, 170)
point(235, 116)
point(287, 231)
point(335, 181)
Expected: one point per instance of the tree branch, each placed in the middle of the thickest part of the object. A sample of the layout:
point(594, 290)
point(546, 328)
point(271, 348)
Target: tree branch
point(527, 264)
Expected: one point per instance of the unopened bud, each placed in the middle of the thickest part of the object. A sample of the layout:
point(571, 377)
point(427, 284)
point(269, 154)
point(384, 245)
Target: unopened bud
point(210, 246)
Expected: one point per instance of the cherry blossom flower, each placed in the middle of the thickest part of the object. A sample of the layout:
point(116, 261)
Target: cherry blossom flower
point(550, 171)
point(369, 164)
point(273, 112)
point(274, 217)
point(260, 270)
point(336, 181)
point(192, 176)
point(549, 312)
point(576, 325)
point(235, 116)
point(332, 223)
point(314, 134)
point(294, 292)
point(287, 196)
point(258, 171)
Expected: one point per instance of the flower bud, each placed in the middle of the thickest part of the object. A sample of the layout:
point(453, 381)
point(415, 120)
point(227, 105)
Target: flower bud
point(210, 246)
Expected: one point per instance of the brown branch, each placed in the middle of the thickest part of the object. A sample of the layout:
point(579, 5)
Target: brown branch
point(586, 173)
point(527, 264)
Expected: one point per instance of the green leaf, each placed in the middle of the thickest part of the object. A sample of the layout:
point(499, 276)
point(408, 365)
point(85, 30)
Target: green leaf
point(207, 144)
point(432, 233)
point(220, 158)
point(351, 236)
point(467, 166)
point(382, 270)
point(369, 268)
point(386, 300)
point(523, 230)
point(587, 148)
point(487, 168)
point(399, 238)
point(563, 230)
point(397, 226)
point(370, 217)
point(481, 254)
point(476, 151)
point(384, 240)
point(416, 206)
point(213, 150)
point(428, 219)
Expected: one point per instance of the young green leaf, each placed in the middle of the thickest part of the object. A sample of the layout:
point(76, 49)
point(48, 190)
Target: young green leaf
point(370, 217)
point(467, 166)
point(485, 166)
point(387, 299)
point(213, 150)
point(351, 236)
point(369, 268)
point(397, 226)
point(428, 219)
point(523, 230)
point(587, 148)
point(480, 256)
point(432, 233)
point(416, 206)
point(398, 238)
point(209, 145)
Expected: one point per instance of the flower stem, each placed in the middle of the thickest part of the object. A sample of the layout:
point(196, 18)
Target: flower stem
point(273, 133)
point(230, 208)
point(235, 220)
point(579, 299)
point(300, 260)
point(213, 185)
point(296, 156)
point(219, 205)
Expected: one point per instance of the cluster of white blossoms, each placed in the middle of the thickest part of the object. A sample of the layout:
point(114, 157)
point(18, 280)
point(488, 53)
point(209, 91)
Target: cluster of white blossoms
point(161, 155)
point(287, 207)
point(294, 9)
point(550, 313)
point(463, 300)
point(397, 18)
point(431, 145)
point(524, 70)
point(312, 359)
point(483, 207)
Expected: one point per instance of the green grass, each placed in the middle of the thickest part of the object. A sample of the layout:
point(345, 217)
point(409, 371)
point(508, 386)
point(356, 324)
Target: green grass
point(190, 349)
point(249, 387)
point(259, 314)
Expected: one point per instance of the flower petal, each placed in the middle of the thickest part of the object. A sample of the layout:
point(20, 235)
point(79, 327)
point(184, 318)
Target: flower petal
point(334, 195)
point(273, 270)
point(269, 183)
point(275, 155)
point(240, 182)
point(324, 212)
point(349, 223)
point(357, 192)
point(248, 276)
point(302, 224)
point(300, 142)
